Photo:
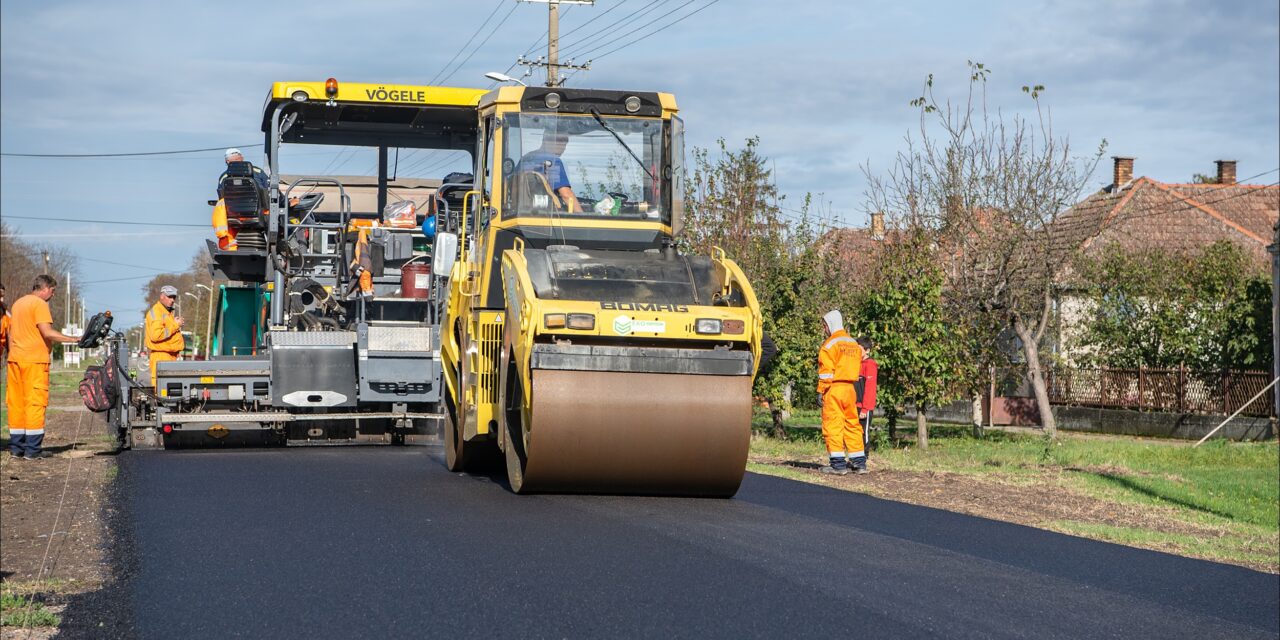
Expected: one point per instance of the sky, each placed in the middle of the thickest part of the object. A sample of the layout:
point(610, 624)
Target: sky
point(824, 84)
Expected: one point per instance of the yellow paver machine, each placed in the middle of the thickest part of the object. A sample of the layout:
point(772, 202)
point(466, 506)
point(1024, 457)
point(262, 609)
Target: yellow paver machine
point(579, 344)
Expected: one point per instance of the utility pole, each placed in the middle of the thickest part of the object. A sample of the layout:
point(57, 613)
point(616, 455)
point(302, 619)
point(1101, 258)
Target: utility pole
point(552, 62)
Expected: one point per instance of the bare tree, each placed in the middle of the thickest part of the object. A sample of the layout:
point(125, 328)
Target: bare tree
point(991, 190)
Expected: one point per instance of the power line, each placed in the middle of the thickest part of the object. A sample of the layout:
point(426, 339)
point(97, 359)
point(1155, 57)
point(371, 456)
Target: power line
point(118, 155)
point(609, 29)
point(116, 280)
point(119, 222)
point(468, 42)
point(97, 235)
point(124, 264)
point(482, 43)
point(651, 33)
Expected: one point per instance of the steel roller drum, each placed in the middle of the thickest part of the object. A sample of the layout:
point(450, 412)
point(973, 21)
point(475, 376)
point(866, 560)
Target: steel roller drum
point(638, 433)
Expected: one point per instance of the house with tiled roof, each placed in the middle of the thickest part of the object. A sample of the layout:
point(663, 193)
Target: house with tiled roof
point(1143, 213)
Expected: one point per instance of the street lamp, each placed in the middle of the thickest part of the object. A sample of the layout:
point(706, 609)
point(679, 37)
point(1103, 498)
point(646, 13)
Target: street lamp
point(197, 318)
point(502, 77)
point(208, 328)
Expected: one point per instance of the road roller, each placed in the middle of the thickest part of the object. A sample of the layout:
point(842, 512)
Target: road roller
point(581, 348)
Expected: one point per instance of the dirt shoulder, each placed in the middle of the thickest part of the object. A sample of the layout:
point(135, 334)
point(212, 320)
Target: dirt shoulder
point(1047, 499)
point(52, 534)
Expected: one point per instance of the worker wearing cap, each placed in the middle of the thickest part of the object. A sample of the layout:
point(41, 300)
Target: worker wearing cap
point(234, 155)
point(839, 365)
point(164, 330)
point(31, 338)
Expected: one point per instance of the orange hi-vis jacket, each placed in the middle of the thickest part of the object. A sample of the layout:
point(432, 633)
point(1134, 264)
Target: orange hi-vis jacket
point(226, 235)
point(839, 360)
point(163, 333)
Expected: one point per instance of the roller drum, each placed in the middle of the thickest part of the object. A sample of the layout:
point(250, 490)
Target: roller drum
point(637, 433)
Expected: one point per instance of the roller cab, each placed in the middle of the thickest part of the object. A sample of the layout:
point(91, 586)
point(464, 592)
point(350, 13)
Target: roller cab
point(581, 348)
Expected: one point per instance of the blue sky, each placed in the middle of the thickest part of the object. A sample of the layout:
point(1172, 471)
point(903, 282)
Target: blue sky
point(824, 84)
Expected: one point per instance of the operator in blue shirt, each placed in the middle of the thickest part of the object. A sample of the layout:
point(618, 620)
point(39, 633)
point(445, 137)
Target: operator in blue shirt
point(546, 161)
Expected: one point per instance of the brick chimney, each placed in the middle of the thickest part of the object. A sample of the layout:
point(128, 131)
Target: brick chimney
point(1226, 171)
point(1123, 171)
point(877, 225)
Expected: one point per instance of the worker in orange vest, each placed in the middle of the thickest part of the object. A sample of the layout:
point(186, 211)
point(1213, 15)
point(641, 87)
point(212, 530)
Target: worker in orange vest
point(226, 235)
point(4, 324)
point(30, 342)
point(839, 365)
point(164, 330)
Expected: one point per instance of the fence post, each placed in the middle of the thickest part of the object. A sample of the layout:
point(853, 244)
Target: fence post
point(1225, 374)
point(1182, 387)
point(1142, 387)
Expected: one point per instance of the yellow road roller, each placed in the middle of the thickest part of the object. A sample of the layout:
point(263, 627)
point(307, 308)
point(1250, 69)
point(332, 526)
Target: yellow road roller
point(580, 346)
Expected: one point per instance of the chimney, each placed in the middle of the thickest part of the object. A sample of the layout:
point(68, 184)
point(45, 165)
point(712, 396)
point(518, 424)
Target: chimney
point(1123, 171)
point(877, 225)
point(1226, 171)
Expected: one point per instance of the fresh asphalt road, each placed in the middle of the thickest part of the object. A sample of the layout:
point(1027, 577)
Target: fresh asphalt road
point(379, 542)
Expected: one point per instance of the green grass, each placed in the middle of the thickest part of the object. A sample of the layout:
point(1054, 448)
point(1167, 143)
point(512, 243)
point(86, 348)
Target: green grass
point(1226, 548)
point(1231, 486)
point(19, 611)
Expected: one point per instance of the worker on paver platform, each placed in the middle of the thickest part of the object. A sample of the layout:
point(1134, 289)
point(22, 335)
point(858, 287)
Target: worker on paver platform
point(226, 235)
point(839, 365)
point(234, 155)
point(164, 330)
point(31, 339)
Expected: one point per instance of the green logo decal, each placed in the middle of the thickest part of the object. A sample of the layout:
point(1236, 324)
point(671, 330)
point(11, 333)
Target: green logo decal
point(622, 325)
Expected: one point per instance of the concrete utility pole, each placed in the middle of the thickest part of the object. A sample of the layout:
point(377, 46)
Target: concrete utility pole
point(553, 43)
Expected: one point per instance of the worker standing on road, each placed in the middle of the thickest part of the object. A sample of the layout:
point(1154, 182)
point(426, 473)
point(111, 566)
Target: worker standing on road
point(30, 343)
point(164, 330)
point(867, 388)
point(839, 365)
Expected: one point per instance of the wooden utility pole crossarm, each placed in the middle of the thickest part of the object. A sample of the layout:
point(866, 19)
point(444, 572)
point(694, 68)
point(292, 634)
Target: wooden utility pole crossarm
point(553, 43)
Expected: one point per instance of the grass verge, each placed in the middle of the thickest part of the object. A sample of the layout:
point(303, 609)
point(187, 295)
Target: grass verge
point(1220, 501)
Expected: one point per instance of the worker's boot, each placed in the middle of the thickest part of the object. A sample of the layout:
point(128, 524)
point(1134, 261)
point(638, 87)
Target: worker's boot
point(838, 467)
point(858, 465)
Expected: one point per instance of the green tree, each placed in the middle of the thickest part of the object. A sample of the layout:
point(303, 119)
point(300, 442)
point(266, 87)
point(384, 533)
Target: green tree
point(922, 357)
point(1209, 310)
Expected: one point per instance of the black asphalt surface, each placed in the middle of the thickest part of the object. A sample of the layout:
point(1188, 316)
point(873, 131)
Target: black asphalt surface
point(382, 542)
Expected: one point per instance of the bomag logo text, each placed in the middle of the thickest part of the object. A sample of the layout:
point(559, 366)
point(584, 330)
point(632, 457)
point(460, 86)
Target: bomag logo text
point(643, 306)
point(382, 94)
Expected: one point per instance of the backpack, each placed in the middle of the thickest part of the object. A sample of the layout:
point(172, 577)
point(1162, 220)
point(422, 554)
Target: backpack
point(100, 387)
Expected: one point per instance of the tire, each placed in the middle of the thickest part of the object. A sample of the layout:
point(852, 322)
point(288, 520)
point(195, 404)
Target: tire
point(455, 449)
point(513, 432)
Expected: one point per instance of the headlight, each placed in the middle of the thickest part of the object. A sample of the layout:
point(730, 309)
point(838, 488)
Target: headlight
point(299, 96)
point(583, 321)
point(553, 100)
point(706, 326)
point(554, 320)
point(632, 104)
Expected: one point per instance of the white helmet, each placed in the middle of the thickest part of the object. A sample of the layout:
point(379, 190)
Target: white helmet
point(232, 152)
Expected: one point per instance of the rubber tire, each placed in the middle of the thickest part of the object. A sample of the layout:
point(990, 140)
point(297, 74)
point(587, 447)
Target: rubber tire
point(513, 446)
point(455, 449)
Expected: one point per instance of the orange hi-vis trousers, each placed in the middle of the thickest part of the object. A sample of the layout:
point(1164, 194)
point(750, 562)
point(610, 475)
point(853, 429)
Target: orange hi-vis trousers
point(841, 428)
point(155, 358)
point(27, 398)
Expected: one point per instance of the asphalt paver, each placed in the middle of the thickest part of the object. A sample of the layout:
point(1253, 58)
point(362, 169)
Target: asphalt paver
point(377, 541)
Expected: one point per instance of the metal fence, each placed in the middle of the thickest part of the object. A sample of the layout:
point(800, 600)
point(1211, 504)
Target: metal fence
point(1174, 390)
